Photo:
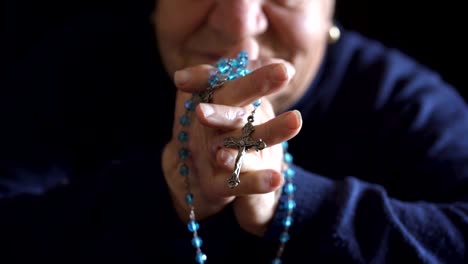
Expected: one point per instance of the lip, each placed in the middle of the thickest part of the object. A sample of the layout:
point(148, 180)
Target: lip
point(213, 56)
point(210, 57)
point(206, 57)
point(216, 55)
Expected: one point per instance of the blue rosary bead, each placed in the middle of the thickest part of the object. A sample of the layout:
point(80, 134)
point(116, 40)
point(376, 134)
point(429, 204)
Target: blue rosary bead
point(200, 258)
point(287, 222)
point(197, 242)
point(289, 188)
point(184, 170)
point(243, 59)
point(288, 158)
point(257, 103)
point(289, 173)
point(276, 261)
point(224, 66)
point(183, 136)
point(193, 226)
point(189, 198)
point(290, 204)
point(184, 120)
point(284, 237)
point(184, 153)
point(190, 105)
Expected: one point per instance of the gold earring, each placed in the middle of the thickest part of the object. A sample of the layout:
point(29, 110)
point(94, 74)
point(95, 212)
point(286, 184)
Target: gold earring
point(334, 34)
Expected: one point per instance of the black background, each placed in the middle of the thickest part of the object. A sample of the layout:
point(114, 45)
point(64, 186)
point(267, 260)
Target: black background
point(432, 32)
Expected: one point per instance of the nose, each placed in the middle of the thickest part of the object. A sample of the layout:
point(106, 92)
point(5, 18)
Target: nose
point(236, 20)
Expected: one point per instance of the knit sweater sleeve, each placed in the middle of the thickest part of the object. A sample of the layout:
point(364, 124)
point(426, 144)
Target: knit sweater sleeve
point(352, 221)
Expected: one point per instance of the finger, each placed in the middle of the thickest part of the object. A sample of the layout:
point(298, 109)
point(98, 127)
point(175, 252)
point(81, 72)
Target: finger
point(252, 182)
point(252, 160)
point(255, 160)
point(279, 129)
point(254, 212)
point(238, 92)
point(193, 79)
point(258, 63)
point(221, 116)
point(261, 82)
point(230, 117)
point(274, 131)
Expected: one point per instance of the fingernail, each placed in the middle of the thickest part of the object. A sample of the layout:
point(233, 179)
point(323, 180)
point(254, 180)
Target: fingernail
point(267, 180)
point(283, 72)
point(226, 157)
point(181, 77)
point(233, 115)
point(272, 180)
point(207, 109)
point(298, 121)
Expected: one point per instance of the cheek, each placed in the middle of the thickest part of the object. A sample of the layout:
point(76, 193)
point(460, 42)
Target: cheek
point(304, 46)
point(178, 19)
point(310, 25)
point(172, 31)
point(309, 32)
point(310, 40)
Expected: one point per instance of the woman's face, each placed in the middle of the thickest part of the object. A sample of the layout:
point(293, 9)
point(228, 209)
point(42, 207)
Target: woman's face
point(191, 32)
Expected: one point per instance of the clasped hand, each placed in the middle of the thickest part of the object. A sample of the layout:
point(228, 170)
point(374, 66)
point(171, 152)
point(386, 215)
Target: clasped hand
point(255, 199)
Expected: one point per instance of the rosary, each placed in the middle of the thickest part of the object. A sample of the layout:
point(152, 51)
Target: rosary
point(230, 69)
point(244, 143)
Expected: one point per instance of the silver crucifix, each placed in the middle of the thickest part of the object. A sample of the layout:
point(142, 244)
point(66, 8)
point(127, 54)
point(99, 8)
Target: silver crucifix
point(244, 143)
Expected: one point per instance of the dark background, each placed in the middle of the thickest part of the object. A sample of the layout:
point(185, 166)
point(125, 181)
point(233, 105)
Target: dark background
point(433, 32)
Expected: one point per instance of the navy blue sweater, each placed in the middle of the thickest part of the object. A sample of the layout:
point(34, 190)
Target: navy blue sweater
point(381, 162)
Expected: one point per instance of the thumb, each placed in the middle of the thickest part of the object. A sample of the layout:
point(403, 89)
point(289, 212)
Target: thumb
point(255, 212)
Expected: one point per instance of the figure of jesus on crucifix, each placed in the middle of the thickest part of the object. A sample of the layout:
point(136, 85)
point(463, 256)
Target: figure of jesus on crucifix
point(243, 144)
